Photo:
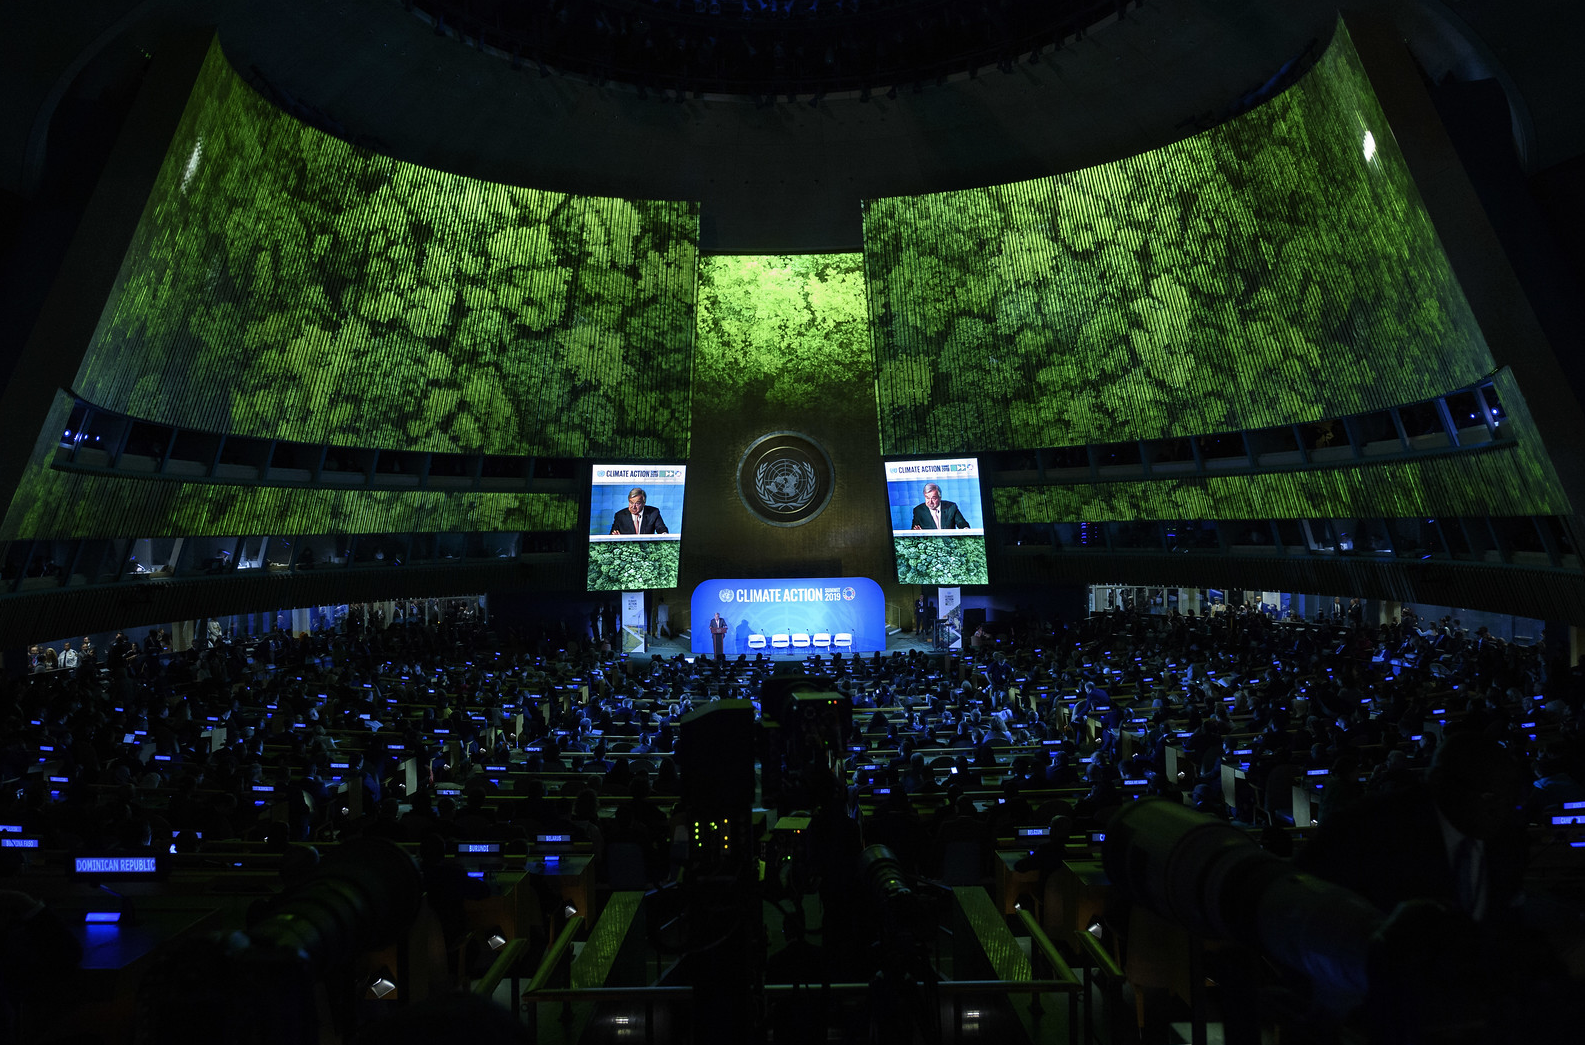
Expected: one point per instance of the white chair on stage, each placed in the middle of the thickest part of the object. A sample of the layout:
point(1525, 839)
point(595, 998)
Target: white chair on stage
point(756, 643)
point(822, 640)
point(780, 642)
point(842, 640)
point(800, 640)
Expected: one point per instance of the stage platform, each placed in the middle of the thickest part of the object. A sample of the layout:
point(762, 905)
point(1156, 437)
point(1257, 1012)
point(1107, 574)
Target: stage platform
point(896, 642)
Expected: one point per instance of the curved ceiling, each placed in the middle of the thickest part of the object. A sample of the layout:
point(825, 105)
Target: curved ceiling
point(789, 176)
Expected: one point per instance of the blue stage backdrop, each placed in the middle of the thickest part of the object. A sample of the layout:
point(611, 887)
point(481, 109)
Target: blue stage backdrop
point(799, 606)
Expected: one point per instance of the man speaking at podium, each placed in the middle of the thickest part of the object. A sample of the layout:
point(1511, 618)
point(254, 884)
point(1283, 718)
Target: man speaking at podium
point(936, 514)
point(637, 517)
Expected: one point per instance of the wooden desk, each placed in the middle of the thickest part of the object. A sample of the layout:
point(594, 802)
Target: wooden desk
point(1011, 883)
point(569, 877)
point(1082, 890)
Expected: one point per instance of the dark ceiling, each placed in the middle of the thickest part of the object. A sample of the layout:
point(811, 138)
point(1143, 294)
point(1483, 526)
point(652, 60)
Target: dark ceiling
point(785, 176)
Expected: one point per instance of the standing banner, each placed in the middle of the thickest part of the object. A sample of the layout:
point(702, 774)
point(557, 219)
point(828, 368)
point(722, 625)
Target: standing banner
point(949, 629)
point(634, 622)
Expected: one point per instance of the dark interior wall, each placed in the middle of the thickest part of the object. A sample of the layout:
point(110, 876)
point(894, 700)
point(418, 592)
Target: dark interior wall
point(1560, 193)
point(65, 321)
point(1536, 227)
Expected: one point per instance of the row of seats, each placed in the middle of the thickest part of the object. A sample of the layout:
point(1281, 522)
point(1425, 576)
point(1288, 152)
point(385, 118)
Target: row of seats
point(801, 640)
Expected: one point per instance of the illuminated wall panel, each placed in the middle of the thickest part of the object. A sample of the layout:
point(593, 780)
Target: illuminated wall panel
point(792, 331)
point(285, 284)
point(1488, 483)
point(55, 504)
point(1515, 478)
point(783, 344)
point(1278, 268)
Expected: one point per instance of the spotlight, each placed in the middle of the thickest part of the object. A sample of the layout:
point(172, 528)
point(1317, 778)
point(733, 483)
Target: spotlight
point(569, 911)
point(379, 985)
point(496, 941)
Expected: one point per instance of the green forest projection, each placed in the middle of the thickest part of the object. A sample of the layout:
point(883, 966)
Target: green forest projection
point(783, 344)
point(1276, 269)
point(791, 332)
point(633, 565)
point(284, 284)
point(56, 504)
point(1495, 482)
point(941, 560)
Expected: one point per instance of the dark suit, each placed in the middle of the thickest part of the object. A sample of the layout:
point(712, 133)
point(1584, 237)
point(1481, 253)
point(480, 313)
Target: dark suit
point(650, 523)
point(951, 518)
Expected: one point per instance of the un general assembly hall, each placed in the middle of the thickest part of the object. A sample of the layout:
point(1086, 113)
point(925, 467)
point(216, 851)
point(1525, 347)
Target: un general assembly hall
point(792, 521)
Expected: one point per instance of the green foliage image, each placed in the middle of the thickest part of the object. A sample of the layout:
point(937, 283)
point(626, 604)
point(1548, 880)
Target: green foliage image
point(633, 565)
point(1276, 269)
point(941, 560)
point(51, 503)
point(284, 284)
point(789, 331)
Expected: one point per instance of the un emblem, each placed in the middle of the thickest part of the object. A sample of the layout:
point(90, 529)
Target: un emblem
point(785, 478)
point(784, 483)
point(725, 594)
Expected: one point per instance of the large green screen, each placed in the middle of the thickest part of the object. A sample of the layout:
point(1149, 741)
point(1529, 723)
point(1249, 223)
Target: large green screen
point(57, 504)
point(783, 346)
point(1511, 478)
point(1278, 268)
point(285, 284)
point(786, 331)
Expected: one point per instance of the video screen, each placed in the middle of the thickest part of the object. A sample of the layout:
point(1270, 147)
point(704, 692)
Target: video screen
point(938, 522)
point(635, 524)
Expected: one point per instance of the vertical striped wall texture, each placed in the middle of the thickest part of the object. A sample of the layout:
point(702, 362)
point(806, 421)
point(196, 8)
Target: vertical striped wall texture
point(783, 345)
point(1487, 483)
point(1278, 268)
point(1512, 478)
point(53, 504)
point(790, 330)
point(285, 284)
